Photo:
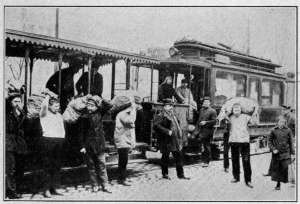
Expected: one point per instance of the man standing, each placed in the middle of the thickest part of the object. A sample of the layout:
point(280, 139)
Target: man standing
point(92, 142)
point(67, 82)
point(124, 137)
point(51, 143)
point(15, 145)
point(184, 92)
point(205, 129)
point(166, 91)
point(96, 82)
point(170, 140)
point(239, 140)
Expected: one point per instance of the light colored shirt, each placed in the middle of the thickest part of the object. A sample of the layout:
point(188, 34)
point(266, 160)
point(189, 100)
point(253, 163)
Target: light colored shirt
point(239, 129)
point(53, 125)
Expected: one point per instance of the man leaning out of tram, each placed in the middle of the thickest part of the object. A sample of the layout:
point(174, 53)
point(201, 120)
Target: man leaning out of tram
point(170, 139)
point(166, 91)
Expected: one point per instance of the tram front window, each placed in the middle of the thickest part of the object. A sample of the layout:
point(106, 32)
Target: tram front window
point(229, 85)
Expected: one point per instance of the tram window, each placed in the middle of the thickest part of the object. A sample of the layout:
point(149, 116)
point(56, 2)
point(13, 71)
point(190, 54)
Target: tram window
point(276, 93)
point(253, 88)
point(229, 85)
point(240, 81)
point(266, 92)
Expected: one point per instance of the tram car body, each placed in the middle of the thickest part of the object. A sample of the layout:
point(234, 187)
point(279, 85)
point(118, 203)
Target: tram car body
point(221, 73)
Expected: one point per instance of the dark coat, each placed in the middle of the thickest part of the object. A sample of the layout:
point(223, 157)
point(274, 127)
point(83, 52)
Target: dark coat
point(282, 140)
point(206, 131)
point(67, 89)
point(91, 136)
point(96, 84)
point(14, 137)
point(166, 91)
point(163, 123)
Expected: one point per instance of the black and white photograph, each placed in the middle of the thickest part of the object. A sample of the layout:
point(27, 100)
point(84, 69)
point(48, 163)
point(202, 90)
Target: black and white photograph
point(149, 103)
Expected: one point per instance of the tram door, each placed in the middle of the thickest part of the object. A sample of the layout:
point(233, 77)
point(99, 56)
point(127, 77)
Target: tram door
point(200, 84)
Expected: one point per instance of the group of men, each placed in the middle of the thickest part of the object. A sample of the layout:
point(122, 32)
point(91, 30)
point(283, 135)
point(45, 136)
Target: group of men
point(92, 139)
point(237, 137)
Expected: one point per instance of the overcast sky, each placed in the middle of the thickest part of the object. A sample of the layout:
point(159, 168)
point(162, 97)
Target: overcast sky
point(272, 30)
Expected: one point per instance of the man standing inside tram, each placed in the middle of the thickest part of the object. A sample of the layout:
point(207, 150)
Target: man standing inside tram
point(184, 92)
point(67, 82)
point(166, 91)
point(96, 82)
point(205, 128)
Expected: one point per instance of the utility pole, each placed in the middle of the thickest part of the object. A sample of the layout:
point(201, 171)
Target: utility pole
point(248, 36)
point(56, 33)
point(57, 22)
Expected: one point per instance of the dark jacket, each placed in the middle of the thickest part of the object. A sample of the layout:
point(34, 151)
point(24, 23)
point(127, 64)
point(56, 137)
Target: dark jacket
point(67, 85)
point(163, 123)
point(282, 140)
point(206, 131)
point(166, 91)
point(91, 136)
point(14, 137)
point(96, 84)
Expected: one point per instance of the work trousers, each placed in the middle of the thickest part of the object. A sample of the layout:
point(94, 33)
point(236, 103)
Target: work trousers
point(178, 157)
point(14, 171)
point(226, 150)
point(242, 149)
point(206, 154)
point(51, 157)
point(123, 161)
point(97, 168)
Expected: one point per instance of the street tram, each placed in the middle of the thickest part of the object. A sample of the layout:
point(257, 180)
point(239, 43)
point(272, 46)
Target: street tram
point(217, 72)
point(220, 73)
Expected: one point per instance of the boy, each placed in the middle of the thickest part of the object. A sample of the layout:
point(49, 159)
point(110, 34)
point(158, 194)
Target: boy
point(52, 141)
point(239, 140)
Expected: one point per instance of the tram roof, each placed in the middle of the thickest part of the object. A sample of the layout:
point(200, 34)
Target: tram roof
point(47, 48)
point(229, 52)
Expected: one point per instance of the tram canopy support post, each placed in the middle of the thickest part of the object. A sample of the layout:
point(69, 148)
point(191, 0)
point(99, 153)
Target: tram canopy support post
point(137, 72)
point(90, 73)
point(151, 91)
point(27, 53)
point(190, 84)
point(60, 57)
point(113, 78)
point(30, 74)
point(127, 74)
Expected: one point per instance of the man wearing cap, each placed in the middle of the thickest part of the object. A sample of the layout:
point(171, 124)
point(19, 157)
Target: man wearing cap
point(15, 145)
point(92, 141)
point(184, 92)
point(96, 82)
point(67, 82)
point(51, 143)
point(166, 91)
point(169, 133)
point(205, 128)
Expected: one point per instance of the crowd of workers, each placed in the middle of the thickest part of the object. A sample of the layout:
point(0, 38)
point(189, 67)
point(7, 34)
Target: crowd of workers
point(91, 135)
